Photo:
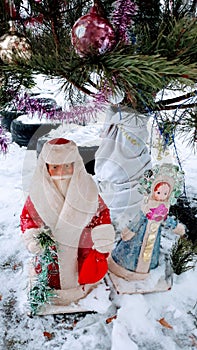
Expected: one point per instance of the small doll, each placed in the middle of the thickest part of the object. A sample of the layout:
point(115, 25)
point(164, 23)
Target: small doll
point(139, 248)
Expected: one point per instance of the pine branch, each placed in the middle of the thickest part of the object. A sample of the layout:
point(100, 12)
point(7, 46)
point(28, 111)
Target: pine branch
point(176, 99)
point(143, 76)
point(164, 52)
point(182, 106)
point(183, 253)
point(79, 87)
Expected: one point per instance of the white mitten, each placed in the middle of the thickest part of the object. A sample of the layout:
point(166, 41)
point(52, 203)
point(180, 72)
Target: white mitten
point(103, 237)
point(29, 238)
point(126, 234)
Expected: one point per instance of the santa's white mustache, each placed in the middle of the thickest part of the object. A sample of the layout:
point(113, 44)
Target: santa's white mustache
point(61, 177)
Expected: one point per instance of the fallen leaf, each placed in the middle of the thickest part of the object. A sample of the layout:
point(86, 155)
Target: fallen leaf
point(47, 335)
point(75, 323)
point(1, 297)
point(164, 323)
point(16, 266)
point(194, 342)
point(110, 319)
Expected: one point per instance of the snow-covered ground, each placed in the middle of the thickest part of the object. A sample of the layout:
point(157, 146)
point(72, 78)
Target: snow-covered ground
point(155, 321)
point(136, 325)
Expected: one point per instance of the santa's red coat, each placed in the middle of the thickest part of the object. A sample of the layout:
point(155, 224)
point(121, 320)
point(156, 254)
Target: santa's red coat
point(92, 265)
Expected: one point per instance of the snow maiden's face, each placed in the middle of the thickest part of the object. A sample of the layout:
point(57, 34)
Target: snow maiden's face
point(161, 191)
point(60, 171)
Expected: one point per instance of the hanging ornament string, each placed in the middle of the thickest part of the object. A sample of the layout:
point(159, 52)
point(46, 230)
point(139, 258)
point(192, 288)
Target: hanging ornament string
point(119, 110)
point(151, 137)
point(11, 10)
point(162, 125)
point(171, 6)
point(177, 122)
point(162, 148)
point(167, 134)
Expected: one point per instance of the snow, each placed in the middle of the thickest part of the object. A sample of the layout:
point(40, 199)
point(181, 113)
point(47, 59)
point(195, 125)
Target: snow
point(26, 119)
point(89, 135)
point(47, 87)
point(136, 325)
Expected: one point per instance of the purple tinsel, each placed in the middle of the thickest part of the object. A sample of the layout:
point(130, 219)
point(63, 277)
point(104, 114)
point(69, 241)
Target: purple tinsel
point(32, 105)
point(81, 114)
point(102, 97)
point(121, 18)
point(3, 141)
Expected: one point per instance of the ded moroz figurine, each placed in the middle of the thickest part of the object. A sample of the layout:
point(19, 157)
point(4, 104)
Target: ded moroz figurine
point(138, 250)
point(67, 226)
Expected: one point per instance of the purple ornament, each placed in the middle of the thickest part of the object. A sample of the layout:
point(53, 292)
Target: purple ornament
point(92, 34)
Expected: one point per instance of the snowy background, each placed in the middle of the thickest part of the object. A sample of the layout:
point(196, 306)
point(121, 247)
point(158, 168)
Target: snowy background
point(121, 322)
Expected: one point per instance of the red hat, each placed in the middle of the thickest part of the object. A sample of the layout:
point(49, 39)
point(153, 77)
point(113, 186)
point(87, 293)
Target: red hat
point(59, 141)
point(59, 151)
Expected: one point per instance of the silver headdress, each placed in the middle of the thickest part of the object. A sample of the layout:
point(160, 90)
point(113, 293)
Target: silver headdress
point(166, 172)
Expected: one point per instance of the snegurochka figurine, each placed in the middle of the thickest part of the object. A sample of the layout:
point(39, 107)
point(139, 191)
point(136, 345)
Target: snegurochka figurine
point(67, 227)
point(138, 250)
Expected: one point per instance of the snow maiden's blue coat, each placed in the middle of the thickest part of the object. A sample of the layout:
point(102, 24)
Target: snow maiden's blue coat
point(126, 253)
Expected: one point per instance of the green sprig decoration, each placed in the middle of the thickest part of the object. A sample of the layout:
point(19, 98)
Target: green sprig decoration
point(44, 238)
point(183, 255)
point(41, 293)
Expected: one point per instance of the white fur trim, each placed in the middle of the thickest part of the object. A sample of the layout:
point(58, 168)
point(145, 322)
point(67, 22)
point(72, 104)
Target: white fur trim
point(59, 154)
point(29, 238)
point(126, 234)
point(66, 215)
point(103, 237)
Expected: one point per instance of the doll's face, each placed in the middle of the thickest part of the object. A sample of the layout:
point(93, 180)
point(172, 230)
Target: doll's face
point(60, 170)
point(161, 191)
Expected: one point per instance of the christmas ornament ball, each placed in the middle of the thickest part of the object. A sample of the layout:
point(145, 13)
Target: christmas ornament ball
point(92, 34)
point(12, 45)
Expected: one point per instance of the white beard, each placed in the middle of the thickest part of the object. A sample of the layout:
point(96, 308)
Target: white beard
point(62, 184)
point(61, 177)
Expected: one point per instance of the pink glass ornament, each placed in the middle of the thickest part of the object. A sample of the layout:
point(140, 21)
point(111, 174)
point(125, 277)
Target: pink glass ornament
point(92, 34)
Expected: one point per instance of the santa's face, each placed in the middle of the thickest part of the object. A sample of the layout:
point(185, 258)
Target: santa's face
point(161, 192)
point(60, 170)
